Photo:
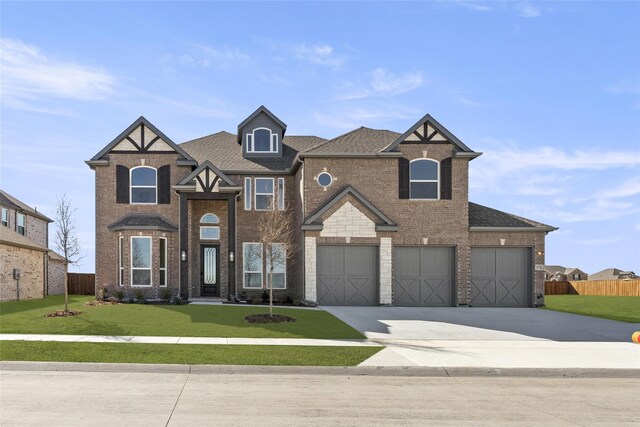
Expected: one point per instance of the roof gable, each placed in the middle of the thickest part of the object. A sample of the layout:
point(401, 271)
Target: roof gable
point(428, 130)
point(142, 137)
point(11, 202)
point(261, 110)
point(208, 178)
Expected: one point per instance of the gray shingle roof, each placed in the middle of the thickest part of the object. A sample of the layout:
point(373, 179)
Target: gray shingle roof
point(12, 238)
point(223, 150)
point(143, 222)
point(482, 216)
point(8, 200)
point(361, 140)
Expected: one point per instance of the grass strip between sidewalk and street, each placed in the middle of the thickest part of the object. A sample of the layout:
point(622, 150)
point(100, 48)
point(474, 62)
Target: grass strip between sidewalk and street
point(623, 309)
point(189, 354)
point(189, 320)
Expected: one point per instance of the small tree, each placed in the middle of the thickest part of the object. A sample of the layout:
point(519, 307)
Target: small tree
point(66, 240)
point(276, 229)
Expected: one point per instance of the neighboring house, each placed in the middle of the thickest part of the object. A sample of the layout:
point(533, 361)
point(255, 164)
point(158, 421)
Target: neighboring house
point(24, 241)
point(613, 274)
point(381, 218)
point(558, 273)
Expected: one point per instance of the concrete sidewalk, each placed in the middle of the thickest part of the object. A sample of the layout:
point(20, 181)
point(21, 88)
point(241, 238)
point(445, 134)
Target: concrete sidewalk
point(189, 340)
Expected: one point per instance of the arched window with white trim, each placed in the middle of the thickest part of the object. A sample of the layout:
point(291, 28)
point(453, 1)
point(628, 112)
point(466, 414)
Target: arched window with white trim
point(144, 185)
point(424, 179)
point(262, 140)
point(208, 231)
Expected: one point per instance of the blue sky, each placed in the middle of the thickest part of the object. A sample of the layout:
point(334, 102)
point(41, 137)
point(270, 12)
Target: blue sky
point(550, 92)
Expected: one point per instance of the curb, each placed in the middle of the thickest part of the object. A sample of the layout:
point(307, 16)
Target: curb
point(412, 371)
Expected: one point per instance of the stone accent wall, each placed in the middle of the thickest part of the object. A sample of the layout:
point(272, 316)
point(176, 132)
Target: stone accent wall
point(310, 273)
point(386, 270)
point(56, 272)
point(348, 221)
point(32, 265)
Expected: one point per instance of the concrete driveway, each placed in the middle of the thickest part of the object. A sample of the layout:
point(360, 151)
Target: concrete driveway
point(493, 337)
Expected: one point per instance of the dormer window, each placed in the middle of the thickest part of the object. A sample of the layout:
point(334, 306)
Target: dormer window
point(262, 140)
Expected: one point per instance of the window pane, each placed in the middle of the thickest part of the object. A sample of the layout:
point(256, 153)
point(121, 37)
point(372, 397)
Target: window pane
point(212, 233)
point(278, 280)
point(141, 252)
point(424, 169)
point(253, 280)
point(264, 202)
point(262, 140)
point(281, 193)
point(163, 253)
point(277, 257)
point(20, 220)
point(264, 185)
point(424, 190)
point(163, 277)
point(247, 194)
point(143, 195)
point(209, 219)
point(141, 277)
point(143, 176)
point(324, 179)
point(252, 257)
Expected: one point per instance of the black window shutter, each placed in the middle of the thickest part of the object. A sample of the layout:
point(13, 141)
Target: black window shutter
point(403, 178)
point(122, 184)
point(445, 179)
point(164, 185)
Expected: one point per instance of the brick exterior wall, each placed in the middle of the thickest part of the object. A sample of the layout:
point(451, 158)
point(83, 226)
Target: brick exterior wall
point(36, 229)
point(32, 265)
point(108, 211)
point(55, 277)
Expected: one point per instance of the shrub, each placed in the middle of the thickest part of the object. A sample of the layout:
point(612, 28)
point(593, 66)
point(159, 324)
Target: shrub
point(176, 300)
point(102, 294)
point(265, 296)
point(119, 295)
point(139, 293)
point(165, 295)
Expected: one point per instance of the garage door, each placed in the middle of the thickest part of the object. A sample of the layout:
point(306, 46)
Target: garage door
point(500, 277)
point(347, 275)
point(423, 277)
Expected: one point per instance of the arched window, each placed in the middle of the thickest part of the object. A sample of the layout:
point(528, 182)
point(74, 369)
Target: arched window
point(144, 185)
point(424, 179)
point(262, 140)
point(207, 231)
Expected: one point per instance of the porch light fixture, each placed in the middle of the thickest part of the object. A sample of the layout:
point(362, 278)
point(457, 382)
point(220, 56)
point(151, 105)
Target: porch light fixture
point(183, 256)
point(232, 256)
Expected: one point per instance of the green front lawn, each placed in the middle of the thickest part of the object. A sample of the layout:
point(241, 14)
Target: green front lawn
point(624, 309)
point(189, 354)
point(27, 317)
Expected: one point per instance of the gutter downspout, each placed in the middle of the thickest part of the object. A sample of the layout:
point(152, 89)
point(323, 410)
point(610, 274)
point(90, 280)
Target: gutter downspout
point(235, 249)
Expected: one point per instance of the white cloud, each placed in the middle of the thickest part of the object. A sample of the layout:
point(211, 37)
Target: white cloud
point(473, 5)
point(222, 57)
point(318, 54)
point(603, 241)
point(628, 188)
point(388, 83)
point(360, 116)
point(28, 75)
point(527, 10)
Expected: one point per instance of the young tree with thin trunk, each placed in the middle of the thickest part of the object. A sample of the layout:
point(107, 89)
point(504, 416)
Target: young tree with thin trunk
point(66, 240)
point(276, 228)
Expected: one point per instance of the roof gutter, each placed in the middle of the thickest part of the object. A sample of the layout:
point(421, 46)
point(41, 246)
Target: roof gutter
point(352, 155)
point(514, 229)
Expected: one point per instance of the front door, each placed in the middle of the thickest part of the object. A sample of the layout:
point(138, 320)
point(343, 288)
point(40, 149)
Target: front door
point(209, 272)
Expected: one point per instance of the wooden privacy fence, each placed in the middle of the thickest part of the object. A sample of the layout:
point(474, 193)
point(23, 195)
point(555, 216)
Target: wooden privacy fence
point(82, 283)
point(623, 288)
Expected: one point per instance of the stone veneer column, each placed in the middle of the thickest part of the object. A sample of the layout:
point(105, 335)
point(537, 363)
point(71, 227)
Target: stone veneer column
point(310, 268)
point(386, 270)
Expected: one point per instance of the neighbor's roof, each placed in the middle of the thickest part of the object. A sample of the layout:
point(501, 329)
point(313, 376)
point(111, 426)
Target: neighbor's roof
point(482, 217)
point(609, 274)
point(222, 150)
point(56, 256)
point(8, 200)
point(361, 140)
point(143, 222)
point(12, 238)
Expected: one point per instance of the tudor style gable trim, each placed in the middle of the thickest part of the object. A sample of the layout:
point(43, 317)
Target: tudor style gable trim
point(208, 179)
point(141, 137)
point(313, 223)
point(428, 130)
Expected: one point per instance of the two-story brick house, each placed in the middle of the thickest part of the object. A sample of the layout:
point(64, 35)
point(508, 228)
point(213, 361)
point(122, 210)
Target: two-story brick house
point(24, 245)
point(381, 218)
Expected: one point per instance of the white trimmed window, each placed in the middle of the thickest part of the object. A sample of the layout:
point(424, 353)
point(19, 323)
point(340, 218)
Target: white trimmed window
point(424, 182)
point(263, 194)
point(281, 194)
point(21, 222)
point(5, 217)
point(279, 257)
point(141, 261)
point(163, 262)
point(144, 185)
point(120, 261)
point(247, 194)
point(208, 231)
point(252, 265)
point(262, 140)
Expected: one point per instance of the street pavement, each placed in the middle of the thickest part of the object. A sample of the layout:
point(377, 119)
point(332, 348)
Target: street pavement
point(72, 398)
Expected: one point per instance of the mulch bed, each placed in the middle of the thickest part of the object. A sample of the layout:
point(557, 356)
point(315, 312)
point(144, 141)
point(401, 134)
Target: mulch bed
point(62, 313)
point(96, 302)
point(266, 318)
